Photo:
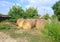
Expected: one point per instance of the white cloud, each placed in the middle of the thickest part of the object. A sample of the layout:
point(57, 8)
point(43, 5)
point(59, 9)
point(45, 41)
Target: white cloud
point(42, 1)
point(43, 6)
point(44, 10)
point(4, 3)
point(21, 1)
point(5, 6)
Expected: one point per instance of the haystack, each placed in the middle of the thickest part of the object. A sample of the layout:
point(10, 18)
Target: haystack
point(40, 24)
point(29, 23)
point(33, 22)
point(20, 22)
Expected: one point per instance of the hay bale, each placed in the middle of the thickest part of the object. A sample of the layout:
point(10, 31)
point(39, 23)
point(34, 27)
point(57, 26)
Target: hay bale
point(20, 22)
point(33, 22)
point(27, 24)
point(40, 24)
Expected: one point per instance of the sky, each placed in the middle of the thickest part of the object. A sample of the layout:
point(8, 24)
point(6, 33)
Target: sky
point(43, 6)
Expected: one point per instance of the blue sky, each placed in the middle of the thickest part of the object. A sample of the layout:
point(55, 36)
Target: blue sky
point(43, 6)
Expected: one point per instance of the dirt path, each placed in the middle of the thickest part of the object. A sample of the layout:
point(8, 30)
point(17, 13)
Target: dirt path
point(6, 38)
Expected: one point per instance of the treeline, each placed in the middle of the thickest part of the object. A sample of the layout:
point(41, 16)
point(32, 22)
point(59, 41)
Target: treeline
point(18, 12)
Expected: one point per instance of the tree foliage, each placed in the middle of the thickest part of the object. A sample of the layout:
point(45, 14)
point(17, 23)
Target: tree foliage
point(46, 16)
point(31, 13)
point(17, 12)
point(56, 8)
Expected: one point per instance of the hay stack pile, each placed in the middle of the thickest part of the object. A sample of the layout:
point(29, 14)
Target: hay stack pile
point(29, 23)
point(40, 23)
point(20, 22)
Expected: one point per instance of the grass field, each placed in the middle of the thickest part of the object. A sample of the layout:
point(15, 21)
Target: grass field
point(51, 33)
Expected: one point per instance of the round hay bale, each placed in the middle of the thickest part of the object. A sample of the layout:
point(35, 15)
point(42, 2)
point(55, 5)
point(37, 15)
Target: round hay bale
point(20, 22)
point(27, 24)
point(40, 23)
point(33, 22)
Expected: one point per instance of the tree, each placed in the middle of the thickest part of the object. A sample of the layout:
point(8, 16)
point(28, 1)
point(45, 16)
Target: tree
point(46, 16)
point(15, 12)
point(56, 8)
point(31, 13)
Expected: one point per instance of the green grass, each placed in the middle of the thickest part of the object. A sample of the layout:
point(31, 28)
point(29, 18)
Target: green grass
point(31, 37)
point(51, 33)
point(5, 26)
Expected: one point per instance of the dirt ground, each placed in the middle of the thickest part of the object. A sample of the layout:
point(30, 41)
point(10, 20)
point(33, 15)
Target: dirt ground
point(6, 38)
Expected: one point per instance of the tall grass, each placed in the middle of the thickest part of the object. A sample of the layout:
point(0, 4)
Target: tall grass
point(53, 31)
